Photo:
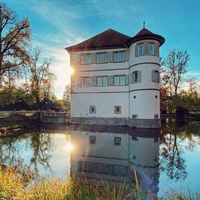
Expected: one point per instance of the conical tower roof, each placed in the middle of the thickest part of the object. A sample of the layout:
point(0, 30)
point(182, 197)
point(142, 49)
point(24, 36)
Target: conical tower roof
point(145, 34)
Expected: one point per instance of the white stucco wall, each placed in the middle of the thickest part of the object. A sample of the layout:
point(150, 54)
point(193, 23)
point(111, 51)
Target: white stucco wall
point(104, 103)
point(145, 104)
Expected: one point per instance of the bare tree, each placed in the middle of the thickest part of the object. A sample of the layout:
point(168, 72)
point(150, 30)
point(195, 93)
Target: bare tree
point(175, 67)
point(192, 82)
point(42, 79)
point(14, 40)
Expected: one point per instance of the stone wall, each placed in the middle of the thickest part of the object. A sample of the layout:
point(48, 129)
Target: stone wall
point(137, 123)
point(54, 117)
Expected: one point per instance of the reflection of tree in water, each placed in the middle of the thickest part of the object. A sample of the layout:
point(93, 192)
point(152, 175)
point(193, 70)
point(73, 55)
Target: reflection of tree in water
point(172, 148)
point(40, 144)
point(172, 161)
point(9, 152)
point(42, 147)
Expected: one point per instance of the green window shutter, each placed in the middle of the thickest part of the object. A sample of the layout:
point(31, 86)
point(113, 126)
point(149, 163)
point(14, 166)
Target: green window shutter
point(139, 76)
point(136, 50)
point(93, 58)
point(131, 78)
point(110, 80)
point(127, 79)
point(126, 55)
point(94, 81)
point(79, 81)
point(78, 58)
point(146, 48)
point(111, 56)
point(152, 76)
point(156, 49)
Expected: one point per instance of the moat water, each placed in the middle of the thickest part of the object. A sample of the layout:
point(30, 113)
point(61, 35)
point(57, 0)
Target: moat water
point(165, 159)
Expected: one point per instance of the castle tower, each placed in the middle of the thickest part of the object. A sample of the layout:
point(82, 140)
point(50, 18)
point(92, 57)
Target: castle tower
point(144, 86)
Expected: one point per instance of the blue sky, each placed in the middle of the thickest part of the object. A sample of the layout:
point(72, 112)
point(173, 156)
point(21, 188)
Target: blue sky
point(57, 24)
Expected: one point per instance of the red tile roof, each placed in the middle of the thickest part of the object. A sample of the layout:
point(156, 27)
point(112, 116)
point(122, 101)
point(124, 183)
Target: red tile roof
point(144, 31)
point(145, 34)
point(113, 39)
point(105, 40)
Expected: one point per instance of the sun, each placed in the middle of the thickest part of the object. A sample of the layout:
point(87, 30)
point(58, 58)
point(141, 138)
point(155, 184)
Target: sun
point(68, 147)
point(71, 70)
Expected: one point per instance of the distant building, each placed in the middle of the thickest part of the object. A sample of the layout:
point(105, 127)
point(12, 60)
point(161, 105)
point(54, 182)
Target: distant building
point(116, 79)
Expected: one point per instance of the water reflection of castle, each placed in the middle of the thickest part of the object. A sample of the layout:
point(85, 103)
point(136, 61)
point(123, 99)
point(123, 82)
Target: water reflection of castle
point(112, 153)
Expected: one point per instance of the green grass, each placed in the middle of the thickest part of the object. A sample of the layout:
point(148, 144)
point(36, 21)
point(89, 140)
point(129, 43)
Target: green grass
point(18, 184)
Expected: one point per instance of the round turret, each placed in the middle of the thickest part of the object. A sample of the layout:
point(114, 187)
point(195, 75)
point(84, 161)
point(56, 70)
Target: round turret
point(144, 69)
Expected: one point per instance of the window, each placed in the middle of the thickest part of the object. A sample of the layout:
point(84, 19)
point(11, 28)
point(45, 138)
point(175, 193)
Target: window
point(85, 59)
point(99, 81)
point(117, 109)
point(119, 80)
point(86, 81)
point(151, 49)
point(102, 81)
point(92, 109)
point(116, 80)
point(134, 116)
point(136, 77)
point(119, 56)
point(92, 139)
point(134, 138)
point(155, 140)
point(155, 76)
point(101, 57)
point(117, 141)
point(140, 50)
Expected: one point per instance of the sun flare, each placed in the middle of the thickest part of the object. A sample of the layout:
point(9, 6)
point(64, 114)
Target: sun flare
point(69, 147)
point(71, 70)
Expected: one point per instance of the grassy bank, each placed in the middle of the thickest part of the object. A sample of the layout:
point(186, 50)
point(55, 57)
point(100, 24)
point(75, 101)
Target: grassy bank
point(18, 185)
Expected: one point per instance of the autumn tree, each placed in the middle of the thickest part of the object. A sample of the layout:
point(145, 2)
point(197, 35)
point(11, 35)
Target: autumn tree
point(14, 40)
point(41, 78)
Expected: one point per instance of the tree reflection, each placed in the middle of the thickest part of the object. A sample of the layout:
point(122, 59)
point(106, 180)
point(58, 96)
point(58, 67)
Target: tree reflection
point(10, 154)
point(42, 147)
point(38, 145)
point(173, 146)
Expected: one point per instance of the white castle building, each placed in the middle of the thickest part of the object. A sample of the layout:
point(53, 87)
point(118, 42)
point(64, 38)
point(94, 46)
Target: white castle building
point(116, 79)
